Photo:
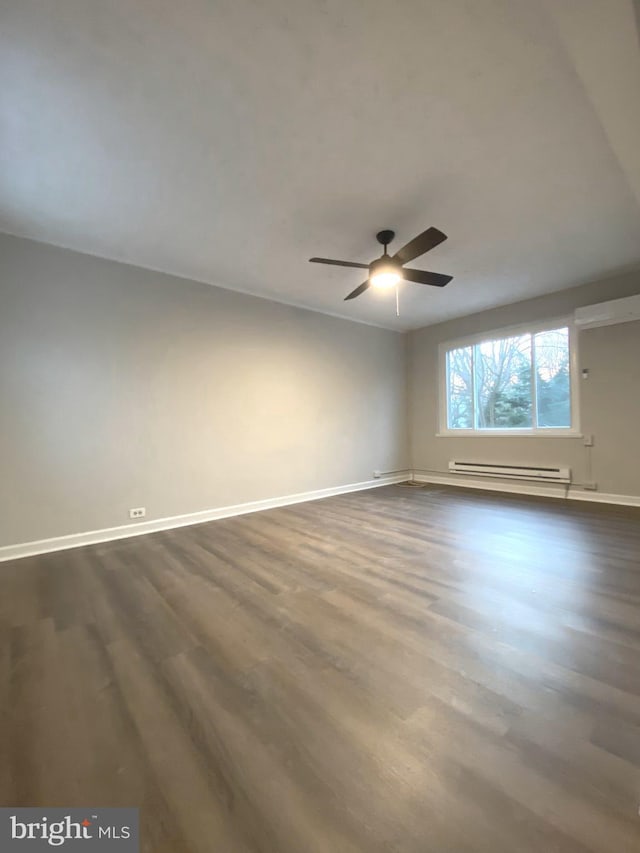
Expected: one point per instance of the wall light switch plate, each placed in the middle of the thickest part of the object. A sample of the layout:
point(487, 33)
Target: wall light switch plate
point(588, 440)
point(137, 512)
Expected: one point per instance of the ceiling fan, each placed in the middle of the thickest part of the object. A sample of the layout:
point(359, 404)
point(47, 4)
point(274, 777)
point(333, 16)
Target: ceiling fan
point(387, 271)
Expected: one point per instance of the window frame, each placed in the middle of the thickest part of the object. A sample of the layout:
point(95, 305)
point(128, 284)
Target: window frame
point(504, 332)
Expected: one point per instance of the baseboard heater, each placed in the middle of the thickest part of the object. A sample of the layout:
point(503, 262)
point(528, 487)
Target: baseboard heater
point(511, 472)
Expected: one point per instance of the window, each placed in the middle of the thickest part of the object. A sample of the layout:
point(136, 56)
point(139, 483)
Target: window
point(518, 382)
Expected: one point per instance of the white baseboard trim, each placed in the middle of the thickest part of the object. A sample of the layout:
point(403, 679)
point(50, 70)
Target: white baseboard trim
point(605, 498)
point(93, 537)
point(519, 488)
point(527, 488)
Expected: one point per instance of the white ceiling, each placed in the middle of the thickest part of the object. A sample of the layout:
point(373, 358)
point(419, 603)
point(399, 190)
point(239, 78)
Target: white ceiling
point(230, 140)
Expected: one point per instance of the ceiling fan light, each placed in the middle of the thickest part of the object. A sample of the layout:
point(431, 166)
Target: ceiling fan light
point(384, 273)
point(384, 280)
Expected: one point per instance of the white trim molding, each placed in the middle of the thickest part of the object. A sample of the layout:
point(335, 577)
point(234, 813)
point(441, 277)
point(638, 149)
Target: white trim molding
point(518, 433)
point(93, 537)
point(547, 490)
point(605, 498)
point(108, 534)
point(527, 488)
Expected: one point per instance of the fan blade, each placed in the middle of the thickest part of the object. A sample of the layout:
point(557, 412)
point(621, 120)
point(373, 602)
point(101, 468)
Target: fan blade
point(358, 290)
point(424, 242)
point(338, 263)
point(435, 279)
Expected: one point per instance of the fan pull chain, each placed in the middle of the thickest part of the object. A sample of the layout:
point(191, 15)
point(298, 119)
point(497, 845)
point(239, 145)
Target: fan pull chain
point(397, 300)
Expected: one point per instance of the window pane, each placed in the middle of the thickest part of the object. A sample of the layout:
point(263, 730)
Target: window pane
point(503, 383)
point(553, 384)
point(459, 389)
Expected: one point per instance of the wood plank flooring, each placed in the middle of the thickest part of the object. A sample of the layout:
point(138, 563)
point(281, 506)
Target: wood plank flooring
point(392, 670)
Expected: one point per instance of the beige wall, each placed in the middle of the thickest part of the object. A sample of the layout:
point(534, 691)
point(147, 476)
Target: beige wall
point(121, 387)
point(610, 397)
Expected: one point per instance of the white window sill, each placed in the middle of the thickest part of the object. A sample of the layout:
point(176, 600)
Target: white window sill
point(497, 433)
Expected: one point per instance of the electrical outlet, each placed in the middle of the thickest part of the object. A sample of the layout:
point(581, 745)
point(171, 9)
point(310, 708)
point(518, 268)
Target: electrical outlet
point(137, 512)
point(591, 486)
point(377, 475)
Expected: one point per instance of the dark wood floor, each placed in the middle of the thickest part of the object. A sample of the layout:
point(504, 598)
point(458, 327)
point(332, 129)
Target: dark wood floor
point(393, 670)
